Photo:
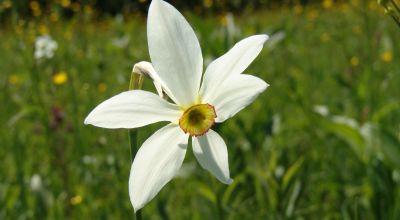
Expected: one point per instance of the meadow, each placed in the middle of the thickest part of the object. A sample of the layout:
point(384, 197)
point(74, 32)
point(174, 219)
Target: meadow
point(322, 142)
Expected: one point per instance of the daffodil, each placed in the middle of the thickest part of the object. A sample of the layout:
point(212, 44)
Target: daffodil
point(198, 102)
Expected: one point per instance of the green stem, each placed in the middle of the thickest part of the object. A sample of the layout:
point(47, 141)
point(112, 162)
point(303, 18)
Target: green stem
point(133, 136)
point(220, 207)
point(135, 83)
point(138, 215)
point(218, 197)
point(134, 146)
point(19, 155)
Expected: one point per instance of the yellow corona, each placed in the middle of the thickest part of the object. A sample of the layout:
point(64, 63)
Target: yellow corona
point(198, 119)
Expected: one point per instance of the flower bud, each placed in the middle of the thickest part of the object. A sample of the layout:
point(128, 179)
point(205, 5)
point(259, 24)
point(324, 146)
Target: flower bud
point(145, 68)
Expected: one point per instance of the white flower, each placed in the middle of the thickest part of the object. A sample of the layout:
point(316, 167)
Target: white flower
point(279, 171)
point(321, 109)
point(88, 159)
point(45, 47)
point(351, 122)
point(199, 103)
point(36, 182)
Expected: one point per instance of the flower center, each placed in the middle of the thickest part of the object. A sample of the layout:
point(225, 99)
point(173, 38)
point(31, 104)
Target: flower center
point(198, 119)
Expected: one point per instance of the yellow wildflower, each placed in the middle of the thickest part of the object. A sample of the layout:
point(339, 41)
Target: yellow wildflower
point(13, 79)
point(102, 87)
point(34, 5)
point(43, 30)
point(354, 61)
point(60, 78)
point(387, 56)
point(223, 20)
point(207, 3)
point(76, 200)
point(327, 4)
point(65, 3)
point(298, 9)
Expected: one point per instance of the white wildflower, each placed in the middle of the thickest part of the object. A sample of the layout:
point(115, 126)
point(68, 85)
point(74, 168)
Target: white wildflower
point(321, 109)
point(35, 182)
point(45, 47)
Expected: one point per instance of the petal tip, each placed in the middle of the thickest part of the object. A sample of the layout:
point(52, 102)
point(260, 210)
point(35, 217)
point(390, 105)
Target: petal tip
point(265, 37)
point(86, 121)
point(89, 120)
point(265, 86)
point(262, 85)
point(229, 181)
point(155, 1)
point(261, 37)
point(136, 204)
point(156, 4)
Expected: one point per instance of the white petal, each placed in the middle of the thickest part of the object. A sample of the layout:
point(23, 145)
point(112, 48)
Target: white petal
point(234, 62)
point(38, 54)
point(156, 163)
point(133, 109)
point(212, 154)
point(175, 52)
point(235, 94)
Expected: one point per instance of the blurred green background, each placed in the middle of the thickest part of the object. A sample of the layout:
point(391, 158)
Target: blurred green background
point(322, 142)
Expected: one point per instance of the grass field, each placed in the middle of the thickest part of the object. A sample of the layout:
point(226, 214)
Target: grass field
point(322, 142)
